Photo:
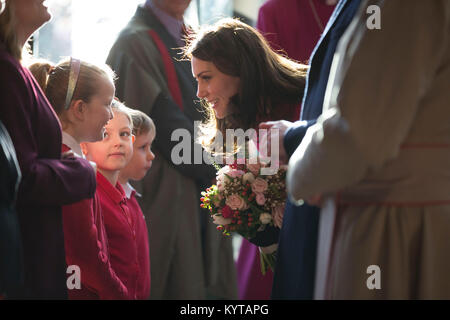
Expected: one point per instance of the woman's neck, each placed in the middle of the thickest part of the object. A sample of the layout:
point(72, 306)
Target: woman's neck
point(111, 176)
point(22, 36)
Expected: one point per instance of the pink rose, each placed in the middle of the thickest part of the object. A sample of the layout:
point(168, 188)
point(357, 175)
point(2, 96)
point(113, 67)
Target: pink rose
point(235, 202)
point(223, 170)
point(260, 199)
point(235, 173)
point(254, 168)
point(220, 185)
point(259, 185)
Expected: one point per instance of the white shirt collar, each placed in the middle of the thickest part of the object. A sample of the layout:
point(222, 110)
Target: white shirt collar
point(128, 188)
point(70, 141)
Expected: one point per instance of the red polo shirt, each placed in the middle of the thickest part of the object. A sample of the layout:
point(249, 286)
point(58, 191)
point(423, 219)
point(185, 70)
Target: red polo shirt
point(124, 228)
point(86, 246)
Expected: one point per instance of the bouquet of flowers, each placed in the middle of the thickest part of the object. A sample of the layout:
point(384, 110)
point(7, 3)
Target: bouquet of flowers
point(249, 203)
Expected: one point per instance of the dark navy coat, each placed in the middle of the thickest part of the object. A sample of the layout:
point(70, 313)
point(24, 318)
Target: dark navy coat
point(296, 261)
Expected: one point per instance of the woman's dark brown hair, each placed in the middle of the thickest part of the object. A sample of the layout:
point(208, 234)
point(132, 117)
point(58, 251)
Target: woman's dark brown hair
point(267, 78)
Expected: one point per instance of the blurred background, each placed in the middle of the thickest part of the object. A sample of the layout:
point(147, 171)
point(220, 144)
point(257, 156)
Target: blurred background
point(86, 29)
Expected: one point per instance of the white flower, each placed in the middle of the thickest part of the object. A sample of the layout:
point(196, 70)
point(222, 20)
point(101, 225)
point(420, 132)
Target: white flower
point(218, 219)
point(248, 177)
point(265, 218)
point(223, 170)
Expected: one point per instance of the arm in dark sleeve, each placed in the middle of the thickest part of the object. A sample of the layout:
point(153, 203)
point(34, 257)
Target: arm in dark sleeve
point(85, 248)
point(294, 135)
point(45, 181)
point(168, 118)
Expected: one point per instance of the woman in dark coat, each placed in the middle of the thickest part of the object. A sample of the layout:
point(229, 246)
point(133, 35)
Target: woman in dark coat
point(48, 182)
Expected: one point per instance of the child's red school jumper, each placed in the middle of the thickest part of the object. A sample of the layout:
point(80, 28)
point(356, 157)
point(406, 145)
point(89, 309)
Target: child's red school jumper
point(127, 236)
point(141, 237)
point(86, 246)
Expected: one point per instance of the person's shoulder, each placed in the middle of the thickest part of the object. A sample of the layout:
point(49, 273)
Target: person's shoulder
point(269, 5)
point(136, 28)
point(133, 38)
point(10, 68)
point(13, 79)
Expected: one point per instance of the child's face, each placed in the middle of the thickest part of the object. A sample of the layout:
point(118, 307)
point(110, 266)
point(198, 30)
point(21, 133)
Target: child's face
point(98, 111)
point(142, 158)
point(116, 149)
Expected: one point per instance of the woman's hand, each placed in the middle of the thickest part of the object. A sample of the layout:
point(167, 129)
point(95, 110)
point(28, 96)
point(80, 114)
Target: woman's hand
point(315, 200)
point(281, 126)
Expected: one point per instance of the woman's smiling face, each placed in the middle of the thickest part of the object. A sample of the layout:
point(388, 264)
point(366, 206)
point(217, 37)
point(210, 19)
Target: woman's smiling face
point(214, 86)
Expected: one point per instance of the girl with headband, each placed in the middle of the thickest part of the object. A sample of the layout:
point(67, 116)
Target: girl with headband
point(81, 95)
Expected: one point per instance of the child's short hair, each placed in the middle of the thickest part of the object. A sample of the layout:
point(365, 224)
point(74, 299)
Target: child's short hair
point(54, 80)
point(142, 123)
point(118, 106)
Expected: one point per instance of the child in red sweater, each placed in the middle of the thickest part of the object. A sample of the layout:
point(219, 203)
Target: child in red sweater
point(129, 252)
point(81, 95)
point(144, 130)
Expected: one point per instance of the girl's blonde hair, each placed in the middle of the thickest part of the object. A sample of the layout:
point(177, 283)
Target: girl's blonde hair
point(118, 106)
point(54, 81)
point(142, 123)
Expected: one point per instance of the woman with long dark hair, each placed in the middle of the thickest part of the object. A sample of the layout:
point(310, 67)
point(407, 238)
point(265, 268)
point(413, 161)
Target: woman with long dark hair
point(243, 82)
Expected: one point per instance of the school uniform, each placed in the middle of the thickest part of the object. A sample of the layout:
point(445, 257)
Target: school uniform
point(86, 246)
point(144, 280)
point(120, 225)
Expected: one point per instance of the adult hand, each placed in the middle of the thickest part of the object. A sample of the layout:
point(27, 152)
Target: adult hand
point(315, 200)
point(281, 126)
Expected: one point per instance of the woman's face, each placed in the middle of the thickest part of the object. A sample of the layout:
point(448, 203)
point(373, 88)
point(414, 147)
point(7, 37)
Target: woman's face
point(215, 87)
point(31, 14)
